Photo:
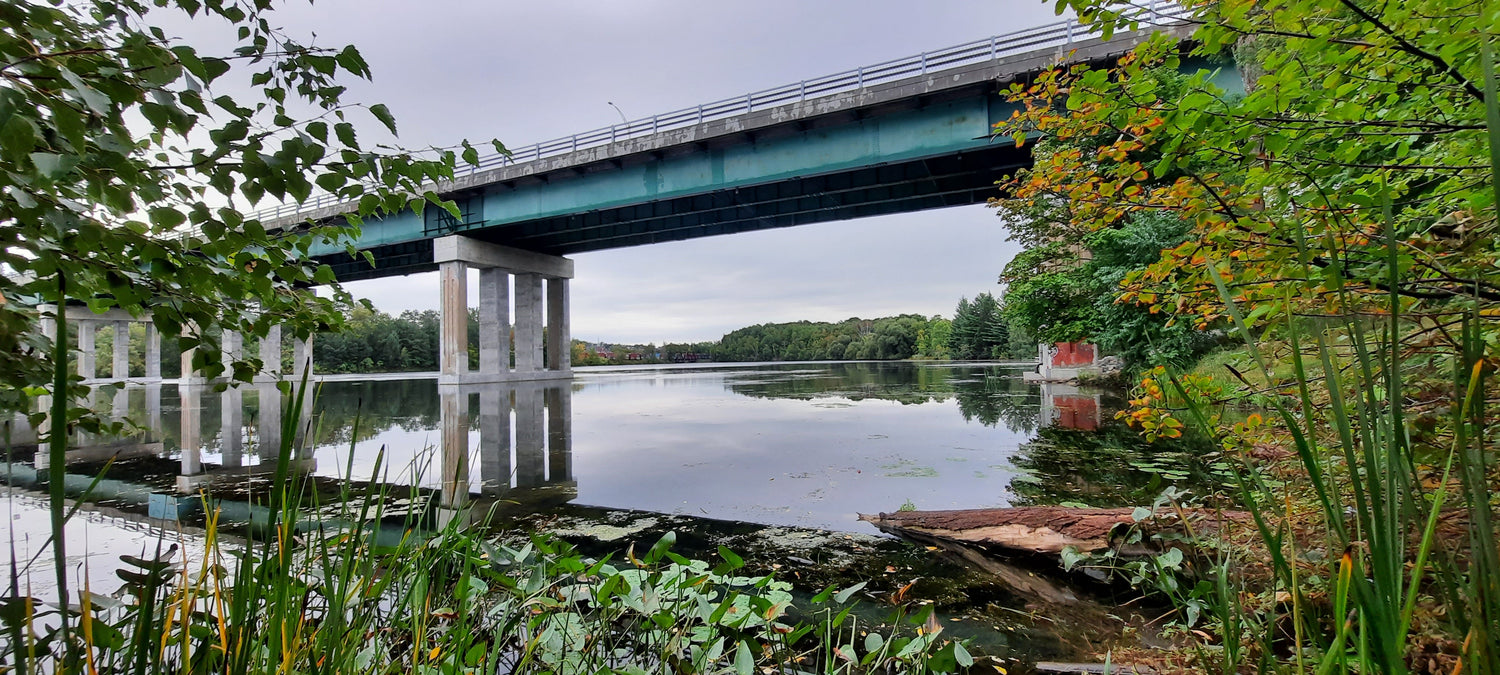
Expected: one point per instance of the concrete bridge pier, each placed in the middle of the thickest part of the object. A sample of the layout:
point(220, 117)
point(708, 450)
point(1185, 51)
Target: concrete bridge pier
point(85, 323)
point(541, 308)
point(153, 352)
point(231, 349)
point(86, 350)
point(120, 369)
point(270, 356)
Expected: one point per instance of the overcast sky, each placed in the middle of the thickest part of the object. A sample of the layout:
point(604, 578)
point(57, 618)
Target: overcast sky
point(523, 72)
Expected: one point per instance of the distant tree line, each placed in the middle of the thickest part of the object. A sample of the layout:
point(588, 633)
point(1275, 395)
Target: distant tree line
point(373, 341)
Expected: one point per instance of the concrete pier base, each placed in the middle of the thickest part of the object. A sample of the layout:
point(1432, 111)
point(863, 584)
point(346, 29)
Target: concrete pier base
point(541, 307)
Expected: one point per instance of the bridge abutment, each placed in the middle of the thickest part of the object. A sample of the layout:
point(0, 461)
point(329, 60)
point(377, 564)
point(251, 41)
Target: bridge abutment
point(541, 312)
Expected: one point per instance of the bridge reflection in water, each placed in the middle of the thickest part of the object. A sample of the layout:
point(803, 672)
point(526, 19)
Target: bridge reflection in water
point(525, 453)
point(228, 441)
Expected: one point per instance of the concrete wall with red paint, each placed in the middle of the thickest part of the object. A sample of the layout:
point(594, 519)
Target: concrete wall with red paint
point(1073, 355)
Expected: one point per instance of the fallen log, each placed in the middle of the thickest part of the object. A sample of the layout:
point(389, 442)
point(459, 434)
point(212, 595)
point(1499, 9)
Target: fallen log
point(1044, 529)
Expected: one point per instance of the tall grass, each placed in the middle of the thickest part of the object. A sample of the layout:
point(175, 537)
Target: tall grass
point(354, 587)
point(1377, 504)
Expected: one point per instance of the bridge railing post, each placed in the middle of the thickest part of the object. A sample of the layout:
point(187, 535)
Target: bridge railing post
point(1070, 31)
point(700, 113)
point(994, 46)
point(924, 63)
point(749, 102)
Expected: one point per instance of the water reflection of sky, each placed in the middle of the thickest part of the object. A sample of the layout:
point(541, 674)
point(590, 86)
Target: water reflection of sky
point(809, 445)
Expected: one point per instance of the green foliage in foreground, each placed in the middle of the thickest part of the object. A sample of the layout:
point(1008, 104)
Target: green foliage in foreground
point(337, 601)
point(1341, 223)
point(306, 591)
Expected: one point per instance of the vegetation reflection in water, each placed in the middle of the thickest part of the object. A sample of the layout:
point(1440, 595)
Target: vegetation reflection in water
point(984, 415)
point(792, 444)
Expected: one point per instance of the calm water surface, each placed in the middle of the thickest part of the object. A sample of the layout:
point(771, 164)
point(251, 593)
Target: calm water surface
point(806, 445)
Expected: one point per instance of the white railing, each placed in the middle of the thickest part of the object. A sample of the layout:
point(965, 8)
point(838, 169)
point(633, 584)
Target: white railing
point(1058, 34)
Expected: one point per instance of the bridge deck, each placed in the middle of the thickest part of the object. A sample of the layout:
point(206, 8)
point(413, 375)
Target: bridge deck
point(906, 143)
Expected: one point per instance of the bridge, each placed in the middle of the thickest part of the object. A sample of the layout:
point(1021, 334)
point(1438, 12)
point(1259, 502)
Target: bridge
point(900, 136)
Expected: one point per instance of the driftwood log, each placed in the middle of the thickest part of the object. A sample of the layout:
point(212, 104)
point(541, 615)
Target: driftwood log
point(1041, 529)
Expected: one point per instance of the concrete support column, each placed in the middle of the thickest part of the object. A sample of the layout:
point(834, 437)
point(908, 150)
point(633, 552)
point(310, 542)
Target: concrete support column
point(454, 419)
point(494, 439)
point(121, 340)
point(153, 352)
point(232, 426)
point(302, 357)
point(531, 439)
point(454, 255)
point(186, 357)
point(231, 349)
point(86, 351)
point(559, 339)
point(528, 324)
point(560, 434)
point(453, 350)
point(494, 321)
point(270, 353)
point(48, 319)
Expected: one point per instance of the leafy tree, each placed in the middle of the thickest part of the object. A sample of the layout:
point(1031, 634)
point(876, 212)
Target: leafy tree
point(124, 168)
point(932, 341)
point(981, 331)
point(1352, 187)
point(1347, 104)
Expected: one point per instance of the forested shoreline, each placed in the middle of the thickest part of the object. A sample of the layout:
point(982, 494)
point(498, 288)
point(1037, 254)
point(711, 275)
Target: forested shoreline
point(373, 341)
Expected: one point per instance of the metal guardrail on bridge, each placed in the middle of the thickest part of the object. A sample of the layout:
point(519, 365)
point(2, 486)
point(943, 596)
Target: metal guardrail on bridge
point(1057, 34)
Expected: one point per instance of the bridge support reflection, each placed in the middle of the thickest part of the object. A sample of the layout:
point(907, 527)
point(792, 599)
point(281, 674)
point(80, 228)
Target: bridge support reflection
point(234, 467)
point(525, 453)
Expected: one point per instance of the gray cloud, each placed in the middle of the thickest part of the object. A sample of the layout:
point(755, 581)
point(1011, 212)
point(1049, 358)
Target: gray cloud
point(529, 71)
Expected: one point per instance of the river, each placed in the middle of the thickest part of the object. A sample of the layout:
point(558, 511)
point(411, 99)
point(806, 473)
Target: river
point(797, 448)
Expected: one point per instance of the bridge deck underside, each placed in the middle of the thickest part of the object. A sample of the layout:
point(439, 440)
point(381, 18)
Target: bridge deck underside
point(897, 187)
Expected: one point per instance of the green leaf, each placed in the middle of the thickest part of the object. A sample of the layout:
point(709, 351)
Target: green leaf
point(383, 114)
point(729, 556)
point(744, 662)
point(843, 596)
point(345, 133)
point(52, 166)
point(167, 218)
point(660, 547)
point(962, 656)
